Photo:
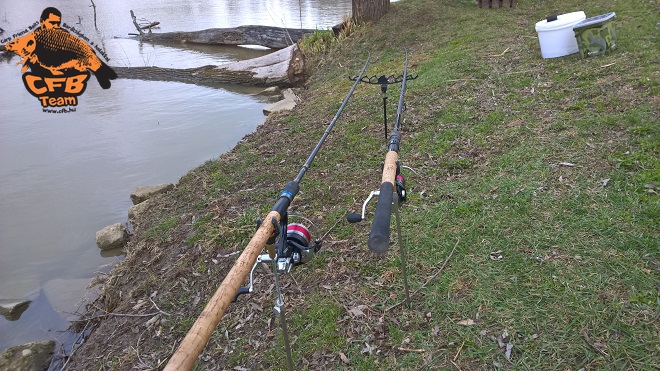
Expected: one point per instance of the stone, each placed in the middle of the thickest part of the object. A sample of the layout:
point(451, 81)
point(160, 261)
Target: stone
point(112, 237)
point(273, 90)
point(287, 104)
point(135, 210)
point(12, 309)
point(31, 356)
point(142, 193)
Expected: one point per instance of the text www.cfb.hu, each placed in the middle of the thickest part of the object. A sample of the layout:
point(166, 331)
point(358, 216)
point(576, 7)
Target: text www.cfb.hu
point(61, 110)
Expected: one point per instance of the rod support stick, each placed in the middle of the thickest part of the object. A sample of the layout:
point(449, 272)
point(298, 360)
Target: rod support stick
point(402, 250)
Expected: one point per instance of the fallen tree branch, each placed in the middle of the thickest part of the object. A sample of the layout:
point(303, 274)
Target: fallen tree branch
point(270, 37)
point(137, 26)
point(284, 68)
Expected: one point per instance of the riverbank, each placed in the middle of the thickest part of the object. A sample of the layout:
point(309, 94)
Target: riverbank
point(535, 181)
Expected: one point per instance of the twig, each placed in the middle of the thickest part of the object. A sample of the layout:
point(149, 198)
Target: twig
point(499, 55)
point(430, 279)
point(585, 336)
point(402, 349)
point(160, 311)
point(607, 65)
point(137, 346)
point(121, 315)
point(94, 6)
point(136, 24)
point(74, 348)
point(457, 80)
point(459, 351)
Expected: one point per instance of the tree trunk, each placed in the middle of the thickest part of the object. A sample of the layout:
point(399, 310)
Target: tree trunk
point(270, 37)
point(369, 10)
point(284, 68)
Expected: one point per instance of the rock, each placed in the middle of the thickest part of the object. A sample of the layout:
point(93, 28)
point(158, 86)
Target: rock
point(275, 98)
point(273, 90)
point(12, 309)
point(143, 193)
point(287, 104)
point(31, 356)
point(135, 210)
point(112, 237)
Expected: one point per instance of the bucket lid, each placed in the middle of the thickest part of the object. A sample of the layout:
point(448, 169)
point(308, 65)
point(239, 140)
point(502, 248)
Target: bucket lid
point(595, 20)
point(563, 21)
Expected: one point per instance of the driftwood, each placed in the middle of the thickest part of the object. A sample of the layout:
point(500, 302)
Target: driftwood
point(270, 37)
point(284, 68)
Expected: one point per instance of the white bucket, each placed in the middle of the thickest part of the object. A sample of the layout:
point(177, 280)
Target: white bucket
point(556, 37)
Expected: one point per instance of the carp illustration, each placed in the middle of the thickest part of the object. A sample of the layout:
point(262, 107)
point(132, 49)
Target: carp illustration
point(57, 51)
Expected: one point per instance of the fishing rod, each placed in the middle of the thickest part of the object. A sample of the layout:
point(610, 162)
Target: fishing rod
point(392, 191)
point(379, 238)
point(291, 251)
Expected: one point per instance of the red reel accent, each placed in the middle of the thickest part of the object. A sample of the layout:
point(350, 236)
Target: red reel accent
point(299, 230)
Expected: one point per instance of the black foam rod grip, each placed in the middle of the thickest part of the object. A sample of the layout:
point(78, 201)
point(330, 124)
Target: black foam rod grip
point(379, 238)
point(354, 218)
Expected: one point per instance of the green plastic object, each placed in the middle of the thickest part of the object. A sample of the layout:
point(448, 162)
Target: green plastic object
point(596, 35)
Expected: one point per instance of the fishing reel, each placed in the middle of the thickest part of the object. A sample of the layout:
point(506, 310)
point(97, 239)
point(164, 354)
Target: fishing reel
point(293, 248)
point(296, 247)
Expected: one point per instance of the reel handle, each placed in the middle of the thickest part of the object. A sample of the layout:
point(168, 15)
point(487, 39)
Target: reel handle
point(241, 291)
point(354, 218)
point(379, 238)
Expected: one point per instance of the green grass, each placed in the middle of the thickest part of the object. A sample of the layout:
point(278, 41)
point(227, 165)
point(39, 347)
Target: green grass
point(553, 164)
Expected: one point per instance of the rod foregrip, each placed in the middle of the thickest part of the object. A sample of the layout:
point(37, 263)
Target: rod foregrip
point(379, 238)
point(193, 344)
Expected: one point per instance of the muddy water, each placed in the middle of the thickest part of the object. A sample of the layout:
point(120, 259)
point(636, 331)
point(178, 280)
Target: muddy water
point(65, 176)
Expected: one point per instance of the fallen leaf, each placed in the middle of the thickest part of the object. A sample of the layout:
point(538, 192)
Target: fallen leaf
point(507, 354)
point(467, 322)
point(344, 358)
point(357, 311)
point(496, 255)
point(367, 348)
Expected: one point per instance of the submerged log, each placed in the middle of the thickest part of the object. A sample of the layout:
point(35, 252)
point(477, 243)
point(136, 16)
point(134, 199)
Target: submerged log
point(270, 37)
point(284, 68)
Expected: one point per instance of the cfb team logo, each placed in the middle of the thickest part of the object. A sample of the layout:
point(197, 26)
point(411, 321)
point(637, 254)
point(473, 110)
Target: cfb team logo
point(59, 63)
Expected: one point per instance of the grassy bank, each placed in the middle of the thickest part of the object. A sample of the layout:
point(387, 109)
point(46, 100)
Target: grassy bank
point(535, 180)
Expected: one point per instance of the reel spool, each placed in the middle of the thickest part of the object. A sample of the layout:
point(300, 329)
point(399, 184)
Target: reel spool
point(298, 240)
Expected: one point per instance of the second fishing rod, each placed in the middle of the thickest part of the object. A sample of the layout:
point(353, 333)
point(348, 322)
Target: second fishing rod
point(392, 192)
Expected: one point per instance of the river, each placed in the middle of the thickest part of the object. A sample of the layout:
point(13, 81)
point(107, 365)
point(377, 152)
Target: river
point(65, 176)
